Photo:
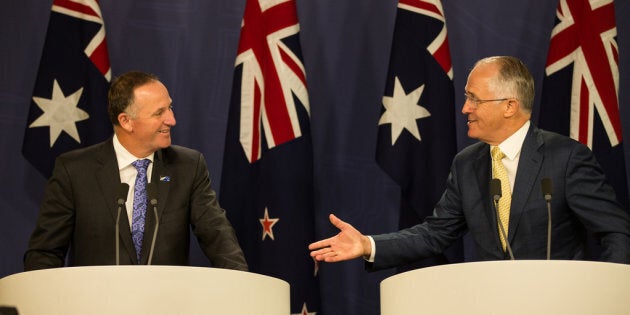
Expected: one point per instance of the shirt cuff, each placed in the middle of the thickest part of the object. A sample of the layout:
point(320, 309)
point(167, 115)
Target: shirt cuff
point(373, 251)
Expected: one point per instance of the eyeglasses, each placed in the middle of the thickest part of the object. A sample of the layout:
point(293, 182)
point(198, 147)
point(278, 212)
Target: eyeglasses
point(477, 102)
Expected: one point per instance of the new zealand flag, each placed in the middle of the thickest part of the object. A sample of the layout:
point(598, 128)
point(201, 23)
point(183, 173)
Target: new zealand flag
point(580, 88)
point(267, 181)
point(69, 105)
point(416, 137)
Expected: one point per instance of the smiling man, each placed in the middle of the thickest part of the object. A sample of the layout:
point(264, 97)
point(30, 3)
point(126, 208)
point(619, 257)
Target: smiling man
point(499, 98)
point(168, 193)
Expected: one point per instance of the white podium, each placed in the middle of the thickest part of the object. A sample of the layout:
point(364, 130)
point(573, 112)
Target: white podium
point(510, 287)
point(144, 290)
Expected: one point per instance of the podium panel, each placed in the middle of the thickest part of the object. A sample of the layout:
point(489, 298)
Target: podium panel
point(144, 290)
point(510, 287)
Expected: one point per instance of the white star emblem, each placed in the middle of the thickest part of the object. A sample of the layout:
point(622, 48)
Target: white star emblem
point(267, 225)
point(402, 111)
point(305, 311)
point(60, 113)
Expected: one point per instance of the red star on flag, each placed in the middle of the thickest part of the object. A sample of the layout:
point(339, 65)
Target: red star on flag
point(267, 224)
point(305, 311)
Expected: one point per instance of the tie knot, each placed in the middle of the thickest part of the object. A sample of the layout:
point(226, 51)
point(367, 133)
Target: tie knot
point(497, 154)
point(141, 165)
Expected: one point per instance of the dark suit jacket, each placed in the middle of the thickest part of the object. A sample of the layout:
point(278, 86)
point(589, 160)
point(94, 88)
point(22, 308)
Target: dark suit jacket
point(581, 200)
point(79, 209)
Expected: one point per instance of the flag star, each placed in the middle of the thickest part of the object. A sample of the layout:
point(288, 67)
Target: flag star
point(402, 111)
point(60, 113)
point(305, 311)
point(267, 224)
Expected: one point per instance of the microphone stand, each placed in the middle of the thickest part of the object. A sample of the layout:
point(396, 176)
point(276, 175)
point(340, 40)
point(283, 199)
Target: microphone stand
point(155, 231)
point(507, 243)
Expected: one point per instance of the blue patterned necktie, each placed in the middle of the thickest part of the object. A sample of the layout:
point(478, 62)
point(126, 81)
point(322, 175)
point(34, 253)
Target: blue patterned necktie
point(139, 204)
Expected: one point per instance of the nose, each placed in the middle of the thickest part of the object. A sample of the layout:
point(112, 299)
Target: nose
point(467, 108)
point(170, 119)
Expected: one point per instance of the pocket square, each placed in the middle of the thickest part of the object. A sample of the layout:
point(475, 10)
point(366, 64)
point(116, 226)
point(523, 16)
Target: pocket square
point(165, 179)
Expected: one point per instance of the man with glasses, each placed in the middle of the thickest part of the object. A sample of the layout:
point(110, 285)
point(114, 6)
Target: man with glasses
point(516, 158)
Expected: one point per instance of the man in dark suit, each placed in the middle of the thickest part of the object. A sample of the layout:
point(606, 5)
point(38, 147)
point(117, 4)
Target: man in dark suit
point(79, 212)
point(499, 98)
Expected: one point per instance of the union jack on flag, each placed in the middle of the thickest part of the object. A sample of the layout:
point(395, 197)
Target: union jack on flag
point(69, 105)
point(580, 89)
point(272, 75)
point(267, 179)
point(586, 38)
point(90, 11)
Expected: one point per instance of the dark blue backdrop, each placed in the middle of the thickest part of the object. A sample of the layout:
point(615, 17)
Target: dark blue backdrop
point(191, 45)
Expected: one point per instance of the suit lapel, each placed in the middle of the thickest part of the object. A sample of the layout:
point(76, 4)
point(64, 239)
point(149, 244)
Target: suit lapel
point(108, 177)
point(483, 174)
point(529, 165)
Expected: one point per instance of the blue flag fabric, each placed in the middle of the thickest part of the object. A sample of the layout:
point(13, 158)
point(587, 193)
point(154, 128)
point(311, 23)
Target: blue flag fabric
point(416, 136)
point(580, 89)
point(267, 179)
point(69, 105)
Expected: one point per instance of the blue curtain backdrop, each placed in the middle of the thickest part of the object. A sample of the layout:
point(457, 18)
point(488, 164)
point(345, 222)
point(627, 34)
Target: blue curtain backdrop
point(191, 45)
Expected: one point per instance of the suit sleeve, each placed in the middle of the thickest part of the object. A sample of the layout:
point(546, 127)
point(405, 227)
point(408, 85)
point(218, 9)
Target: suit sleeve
point(594, 202)
point(216, 235)
point(427, 239)
point(50, 239)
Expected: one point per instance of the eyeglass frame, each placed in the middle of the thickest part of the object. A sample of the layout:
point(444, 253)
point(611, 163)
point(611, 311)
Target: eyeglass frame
point(478, 102)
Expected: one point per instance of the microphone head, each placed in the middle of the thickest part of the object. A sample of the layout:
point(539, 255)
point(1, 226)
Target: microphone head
point(123, 189)
point(495, 189)
point(547, 188)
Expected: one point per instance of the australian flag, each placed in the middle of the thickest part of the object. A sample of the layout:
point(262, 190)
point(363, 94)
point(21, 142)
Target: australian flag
point(267, 181)
point(581, 84)
point(416, 136)
point(69, 105)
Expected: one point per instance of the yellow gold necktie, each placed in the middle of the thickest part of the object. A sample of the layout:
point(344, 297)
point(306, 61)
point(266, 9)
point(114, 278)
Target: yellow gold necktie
point(498, 171)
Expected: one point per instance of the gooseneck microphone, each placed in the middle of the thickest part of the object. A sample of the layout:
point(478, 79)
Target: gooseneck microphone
point(495, 191)
point(547, 191)
point(152, 194)
point(121, 194)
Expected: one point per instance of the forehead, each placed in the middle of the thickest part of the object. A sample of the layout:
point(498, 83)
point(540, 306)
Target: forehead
point(151, 96)
point(479, 78)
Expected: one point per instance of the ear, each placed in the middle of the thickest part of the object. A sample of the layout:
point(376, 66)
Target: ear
point(512, 107)
point(125, 121)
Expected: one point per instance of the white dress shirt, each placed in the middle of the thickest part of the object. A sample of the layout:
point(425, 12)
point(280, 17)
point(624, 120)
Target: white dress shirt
point(128, 172)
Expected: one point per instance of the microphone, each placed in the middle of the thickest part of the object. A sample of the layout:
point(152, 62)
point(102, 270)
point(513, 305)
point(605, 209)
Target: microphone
point(547, 190)
point(495, 191)
point(152, 194)
point(123, 189)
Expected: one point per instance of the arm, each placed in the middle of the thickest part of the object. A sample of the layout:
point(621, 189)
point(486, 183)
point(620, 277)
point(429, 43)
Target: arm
point(50, 239)
point(216, 236)
point(594, 203)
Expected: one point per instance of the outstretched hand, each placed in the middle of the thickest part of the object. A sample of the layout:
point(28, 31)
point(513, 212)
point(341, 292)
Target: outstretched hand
point(349, 243)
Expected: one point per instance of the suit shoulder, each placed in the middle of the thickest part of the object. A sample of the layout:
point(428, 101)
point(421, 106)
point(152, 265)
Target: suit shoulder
point(471, 151)
point(552, 139)
point(87, 152)
point(179, 153)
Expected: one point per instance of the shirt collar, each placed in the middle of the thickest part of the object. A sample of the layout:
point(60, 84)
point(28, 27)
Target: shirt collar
point(123, 156)
point(511, 147)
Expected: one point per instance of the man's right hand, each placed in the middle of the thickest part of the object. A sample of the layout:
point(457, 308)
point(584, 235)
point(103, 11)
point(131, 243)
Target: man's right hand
point(348, 244)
